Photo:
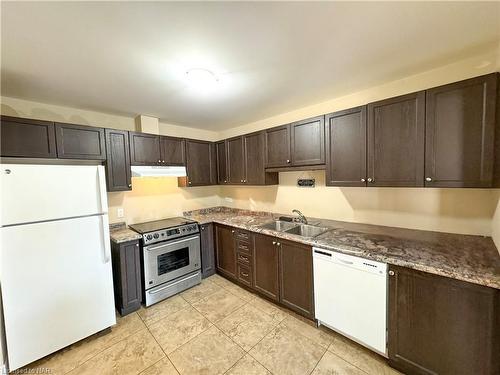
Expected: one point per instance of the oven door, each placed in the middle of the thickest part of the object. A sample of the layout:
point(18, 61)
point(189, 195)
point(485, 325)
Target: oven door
point(169, 260)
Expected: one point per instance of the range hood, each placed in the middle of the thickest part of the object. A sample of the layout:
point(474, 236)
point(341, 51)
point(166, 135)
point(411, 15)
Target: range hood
point(157, 171)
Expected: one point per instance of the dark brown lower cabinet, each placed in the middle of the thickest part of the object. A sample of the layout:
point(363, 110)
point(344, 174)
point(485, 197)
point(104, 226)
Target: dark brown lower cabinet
point(207, 250)
point(226, 254)
point(265, 266)
point(296, 277)
point(442, 326)
point(126, 261)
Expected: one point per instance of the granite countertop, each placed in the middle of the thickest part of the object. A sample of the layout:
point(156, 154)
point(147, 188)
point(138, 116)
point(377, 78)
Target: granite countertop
point(119, 233)
point(469, 258)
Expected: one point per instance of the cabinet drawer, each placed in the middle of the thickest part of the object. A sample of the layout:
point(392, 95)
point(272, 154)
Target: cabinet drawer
point(244, 274)
point(241, 235)
point(244, 246)
point(243, 258)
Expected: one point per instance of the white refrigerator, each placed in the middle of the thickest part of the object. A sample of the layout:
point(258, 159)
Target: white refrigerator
point(56, 277)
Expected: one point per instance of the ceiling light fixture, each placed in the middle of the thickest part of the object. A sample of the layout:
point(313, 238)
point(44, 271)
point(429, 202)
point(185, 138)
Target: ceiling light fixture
point(201, 78)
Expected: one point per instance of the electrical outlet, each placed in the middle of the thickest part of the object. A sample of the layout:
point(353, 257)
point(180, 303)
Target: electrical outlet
point(119, 212)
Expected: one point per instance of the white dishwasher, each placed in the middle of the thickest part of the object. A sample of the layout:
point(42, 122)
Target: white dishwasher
point(350, 295)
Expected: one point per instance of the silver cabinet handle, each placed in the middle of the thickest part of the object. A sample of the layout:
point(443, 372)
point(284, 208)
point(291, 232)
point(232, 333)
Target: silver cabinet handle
point(370, 179)
point(225, 180)
point(163, 161)
point(274, 242)
point(241, 180)
point(288, 160)
point(232, 231)
point(129, 185)
point(202, 228)
point(363, 180)
point(428, 179)
point(391, 273)
point(189, 182)
point(244, 274)
point(159, 161)
point(278, 244)
point(244, 181)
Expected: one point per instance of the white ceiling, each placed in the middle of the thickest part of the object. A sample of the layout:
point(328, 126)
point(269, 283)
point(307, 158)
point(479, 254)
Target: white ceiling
point(130, 58)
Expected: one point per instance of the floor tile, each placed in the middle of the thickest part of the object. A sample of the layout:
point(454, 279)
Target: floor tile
point(331, 364)
point(283, 351)
point(178, 328)
point(269, 308)
point(162, 309)
point(239, 292)
point(309, 330)
point(247, 326)
point(209, 353)
point(67, 359)
point(248, 366)
point(221, 281)
point(129, 356)
point(219, 305)
point(163, 367)
point(360, 357)
point(200, 291)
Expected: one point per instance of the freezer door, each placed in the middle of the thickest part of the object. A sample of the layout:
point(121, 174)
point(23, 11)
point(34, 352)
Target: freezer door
point(31, 193)
point(57, 285)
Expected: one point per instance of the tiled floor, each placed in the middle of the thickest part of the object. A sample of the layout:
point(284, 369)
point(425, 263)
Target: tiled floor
point(215, 328)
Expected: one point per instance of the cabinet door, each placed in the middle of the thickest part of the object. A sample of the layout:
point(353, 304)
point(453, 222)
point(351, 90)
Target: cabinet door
point(126, 262)
point(221, 162)
point(396, 141)
point(265, 266)
point(296, 277)
point(459, 133)
point(207, 250)
point(226, 254)
point(278, 147)
point(254, 158)
point(172, 151)
point(27, 138)
point(235, 161)
point(144, 149)
point(80, 142)
point(117, 160)
point(346, 148)
point(308, 141)
point(200, 163)
point(439, 325)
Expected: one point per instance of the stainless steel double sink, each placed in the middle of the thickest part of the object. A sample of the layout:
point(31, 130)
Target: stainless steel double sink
point(299, 229)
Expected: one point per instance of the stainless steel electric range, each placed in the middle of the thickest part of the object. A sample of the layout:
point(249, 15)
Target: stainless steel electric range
point(170, 257)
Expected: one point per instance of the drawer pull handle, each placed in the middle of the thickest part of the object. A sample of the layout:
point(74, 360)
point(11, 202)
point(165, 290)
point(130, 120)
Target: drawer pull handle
point(244, 274)
point(244, 258)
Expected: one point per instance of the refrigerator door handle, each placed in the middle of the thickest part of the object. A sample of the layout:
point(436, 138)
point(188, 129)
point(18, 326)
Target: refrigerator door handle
point(103, 198)
point(106, 245)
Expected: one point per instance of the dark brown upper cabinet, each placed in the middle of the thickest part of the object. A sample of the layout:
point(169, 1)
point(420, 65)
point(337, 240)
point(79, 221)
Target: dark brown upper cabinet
point(27, 138)
point(308, 142)
point(396, 141)
point(235, 161)
point(346, 147)
point(172, 151)
point(295, 145)
point(80, 142)
point(118, 174)
point(144, 149)
point(278, 147)
point(460, 133)
point(438, 325)
point(201, 164)
point(243, 161)
point(220, 150)
point(296, 277)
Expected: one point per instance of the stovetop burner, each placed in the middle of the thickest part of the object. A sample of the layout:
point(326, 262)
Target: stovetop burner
point(152, 226)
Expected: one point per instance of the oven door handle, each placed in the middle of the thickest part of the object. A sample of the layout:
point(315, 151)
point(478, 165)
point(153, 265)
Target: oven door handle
point(149, 248)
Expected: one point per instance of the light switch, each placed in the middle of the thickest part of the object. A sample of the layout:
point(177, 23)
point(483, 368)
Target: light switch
point(119, 212)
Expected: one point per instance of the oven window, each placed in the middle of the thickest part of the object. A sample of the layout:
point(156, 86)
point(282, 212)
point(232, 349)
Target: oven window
point(173, 260)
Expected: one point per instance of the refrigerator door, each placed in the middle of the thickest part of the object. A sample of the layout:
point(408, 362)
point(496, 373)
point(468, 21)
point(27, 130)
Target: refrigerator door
point(32, 193)
point(57, 285)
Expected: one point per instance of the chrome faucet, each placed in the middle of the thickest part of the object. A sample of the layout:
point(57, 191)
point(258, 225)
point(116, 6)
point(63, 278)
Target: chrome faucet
point(301, 217)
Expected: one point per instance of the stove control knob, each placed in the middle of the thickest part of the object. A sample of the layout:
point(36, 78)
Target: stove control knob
point(156, 236)
point(149, 237)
